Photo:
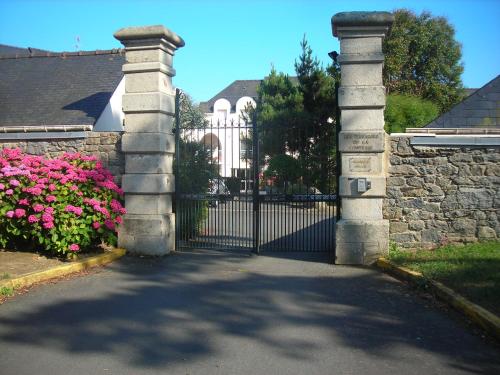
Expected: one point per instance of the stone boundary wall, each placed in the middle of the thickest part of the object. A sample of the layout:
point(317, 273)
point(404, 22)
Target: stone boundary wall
point(442, 193)
point(105, 145)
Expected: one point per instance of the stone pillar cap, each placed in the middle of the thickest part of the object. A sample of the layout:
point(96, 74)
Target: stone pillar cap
point(350, 19)
point(149, 32)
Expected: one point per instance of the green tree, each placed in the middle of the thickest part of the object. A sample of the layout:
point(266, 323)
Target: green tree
point(405, 111)
point(191, 116)
point(196, 165)
point(284, 168)
point(295, 117)
point(422, 58)
point(278, 113)
point(195, 168)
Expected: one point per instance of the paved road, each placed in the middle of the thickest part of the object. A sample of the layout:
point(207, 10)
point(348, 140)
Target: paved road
point(226, 313)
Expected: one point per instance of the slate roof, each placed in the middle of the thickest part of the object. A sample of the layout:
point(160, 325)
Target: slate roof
point(235, 91)
point(11, 51)
point(481, 109)
point(57, 88)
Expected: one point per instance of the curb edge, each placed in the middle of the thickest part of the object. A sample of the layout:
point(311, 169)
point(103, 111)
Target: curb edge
point(63, 270)
point(479, 315)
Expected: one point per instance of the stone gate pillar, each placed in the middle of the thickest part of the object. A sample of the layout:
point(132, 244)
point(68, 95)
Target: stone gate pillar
point(361, 234)
point(148, 142)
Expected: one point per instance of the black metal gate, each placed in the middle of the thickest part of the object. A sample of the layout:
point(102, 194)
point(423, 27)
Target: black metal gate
point(225, 199)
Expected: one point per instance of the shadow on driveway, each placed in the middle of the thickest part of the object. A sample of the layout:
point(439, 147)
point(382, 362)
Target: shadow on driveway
point(210, 312)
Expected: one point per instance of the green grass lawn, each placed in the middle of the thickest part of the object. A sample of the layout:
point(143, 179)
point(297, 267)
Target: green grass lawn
point(472, 270)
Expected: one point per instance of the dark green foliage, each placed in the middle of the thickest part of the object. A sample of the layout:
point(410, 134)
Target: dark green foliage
point(279, 113)
point(298, 119)
point(422, 58)
point(405, 111)
point(283, 168)
point(233, 184)
point(195, 169)
point(190, 114)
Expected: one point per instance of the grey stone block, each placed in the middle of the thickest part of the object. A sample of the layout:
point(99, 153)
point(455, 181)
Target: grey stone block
point(361, 242)
point(143, 204)
point(348, 187)
point(148, 163)
point(486, 233)
point(147, 34)
point(367, 74)
point(144, 143)
point(149, 123)
point(147, 245)
point(361, 97)
point(147, 81)
point(148, 183)
point(148, 225)
point(368, 45)
point(149, 102)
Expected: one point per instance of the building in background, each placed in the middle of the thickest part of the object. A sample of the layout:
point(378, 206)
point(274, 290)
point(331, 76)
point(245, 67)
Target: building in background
point(228, 133)
point(480, 109)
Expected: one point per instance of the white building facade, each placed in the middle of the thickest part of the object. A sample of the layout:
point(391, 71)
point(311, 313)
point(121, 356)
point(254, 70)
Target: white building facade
point(228, 134)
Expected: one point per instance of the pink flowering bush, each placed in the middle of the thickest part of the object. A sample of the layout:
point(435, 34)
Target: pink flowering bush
point(62, 206)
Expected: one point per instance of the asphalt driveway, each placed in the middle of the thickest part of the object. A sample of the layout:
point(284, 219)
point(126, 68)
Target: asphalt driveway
point(227, 313)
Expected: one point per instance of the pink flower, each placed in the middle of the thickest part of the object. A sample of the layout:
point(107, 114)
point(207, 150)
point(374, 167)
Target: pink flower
point(74, 247)
point(115, 205)
point(24, 202)
point(49, 210)
point(50, 198)
point(10, 214)
point(32, 219)
point(9, 192)
point(2, 186)
point(52, 187)
point(19, 212)
point(73, 188)
point(34, 190)
point(46, 217)
point(14, 183)
point(104, 211)
point(96, 225)
point(76, 210)
point(38, 207)
point(48, 225)
point(109, 224)
point(118, 220)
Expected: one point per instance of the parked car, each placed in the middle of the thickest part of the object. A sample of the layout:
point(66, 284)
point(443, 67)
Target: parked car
point(219, 190)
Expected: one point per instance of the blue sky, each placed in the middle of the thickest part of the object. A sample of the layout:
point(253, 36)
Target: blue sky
point(233, 39)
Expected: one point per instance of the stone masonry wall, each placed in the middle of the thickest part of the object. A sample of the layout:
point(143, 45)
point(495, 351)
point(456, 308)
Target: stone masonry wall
point(439, 194)
point(105, 145)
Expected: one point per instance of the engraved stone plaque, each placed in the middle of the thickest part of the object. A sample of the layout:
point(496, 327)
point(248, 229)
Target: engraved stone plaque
point(361, 141)
point(357, 164)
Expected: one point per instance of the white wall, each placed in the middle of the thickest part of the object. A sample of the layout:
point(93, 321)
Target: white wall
point(111, 118)
point(225, 128)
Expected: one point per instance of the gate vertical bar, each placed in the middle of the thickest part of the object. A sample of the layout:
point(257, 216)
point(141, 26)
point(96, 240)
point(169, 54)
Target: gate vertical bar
point(256, 203)
point(177, 194)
